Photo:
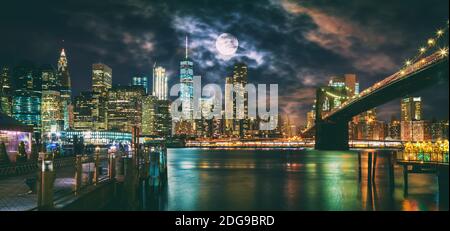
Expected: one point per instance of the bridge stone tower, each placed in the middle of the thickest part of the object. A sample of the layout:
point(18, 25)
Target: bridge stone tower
point(330, 135)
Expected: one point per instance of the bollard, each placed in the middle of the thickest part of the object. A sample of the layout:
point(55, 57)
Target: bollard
point(130, 182)
point(45, 193)
point(112, 167)
point(78, 173)
point(96, 167)
point(146, 163)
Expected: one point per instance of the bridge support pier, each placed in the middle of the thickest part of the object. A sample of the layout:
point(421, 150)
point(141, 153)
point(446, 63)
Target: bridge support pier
point(332, 135)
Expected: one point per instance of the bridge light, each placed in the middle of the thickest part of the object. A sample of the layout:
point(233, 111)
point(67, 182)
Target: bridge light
point(408, 62)
point(440, 33)
point(422, 49)
point(431, 42)
point(443, 52)
point(402, 72)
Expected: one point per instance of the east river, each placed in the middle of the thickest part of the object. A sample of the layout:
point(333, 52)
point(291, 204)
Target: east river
point(201, 179)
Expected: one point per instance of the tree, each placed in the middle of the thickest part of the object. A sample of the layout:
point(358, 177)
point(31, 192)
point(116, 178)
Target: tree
point(4, 158)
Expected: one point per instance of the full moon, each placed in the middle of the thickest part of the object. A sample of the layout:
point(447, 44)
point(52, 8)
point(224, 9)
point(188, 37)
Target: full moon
point(227, 44)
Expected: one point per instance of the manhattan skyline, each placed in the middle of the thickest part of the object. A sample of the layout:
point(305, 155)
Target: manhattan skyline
point(300, 46)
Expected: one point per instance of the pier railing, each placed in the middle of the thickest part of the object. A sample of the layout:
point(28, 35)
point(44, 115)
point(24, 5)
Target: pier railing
point(49, 183)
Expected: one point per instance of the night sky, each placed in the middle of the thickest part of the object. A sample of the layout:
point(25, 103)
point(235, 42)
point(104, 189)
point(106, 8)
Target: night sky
point(296, 44)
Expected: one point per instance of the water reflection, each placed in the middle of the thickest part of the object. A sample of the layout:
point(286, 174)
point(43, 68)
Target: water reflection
point(200, 179)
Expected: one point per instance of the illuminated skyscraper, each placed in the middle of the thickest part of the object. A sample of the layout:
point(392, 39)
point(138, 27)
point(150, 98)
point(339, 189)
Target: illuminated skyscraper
point(310, 118)
point(394, 129)
point(187, 88)
point(229, 106)
point(149, 115)
point(49, 78)
point(63, 74)
point(101, 83)
point(64, 87)
point(411, 108)
point(5, 91)
point(26, 98)
point(160, 88)
point(156, 120)
point(240, 80)
point(83, 109)
point(27, 108)
point(51, 113)
point(141, 81)
point(413, 128)
point(125, 108)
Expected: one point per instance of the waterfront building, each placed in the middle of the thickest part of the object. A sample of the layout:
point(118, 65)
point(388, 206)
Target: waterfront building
point(416, 130)
point(124, 109)
point(90, 137)
point(439, 130)
point(101, 83)
point(12, 132)
point(395, 129)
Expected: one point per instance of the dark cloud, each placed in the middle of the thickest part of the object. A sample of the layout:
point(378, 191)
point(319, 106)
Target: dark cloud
point(297, 44)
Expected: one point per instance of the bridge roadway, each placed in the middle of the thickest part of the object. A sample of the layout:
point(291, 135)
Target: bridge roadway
point(424, 73)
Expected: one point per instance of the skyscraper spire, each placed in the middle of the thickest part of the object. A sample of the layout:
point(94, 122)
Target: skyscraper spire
point(63, 53)
point(187, 47)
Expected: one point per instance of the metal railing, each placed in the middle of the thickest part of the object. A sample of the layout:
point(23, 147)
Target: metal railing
point(48, 183)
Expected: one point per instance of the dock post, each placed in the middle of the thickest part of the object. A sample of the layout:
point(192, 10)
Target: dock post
point(45, 192)
point(78, 173)
point(96, 167)
point(405, 180)
point(391, 170)
point(112, 167)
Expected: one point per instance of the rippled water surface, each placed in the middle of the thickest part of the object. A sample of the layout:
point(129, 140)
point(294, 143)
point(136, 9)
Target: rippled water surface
point(287, 180)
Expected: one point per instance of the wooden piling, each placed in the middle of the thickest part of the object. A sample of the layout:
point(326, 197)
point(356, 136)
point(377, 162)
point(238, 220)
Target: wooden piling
point(369, 169)
point(405, 180)
point(375, 157)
